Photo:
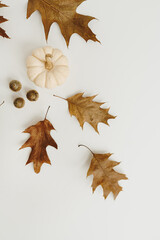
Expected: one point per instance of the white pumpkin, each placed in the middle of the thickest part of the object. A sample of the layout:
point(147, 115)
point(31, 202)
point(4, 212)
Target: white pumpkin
point(47, 67)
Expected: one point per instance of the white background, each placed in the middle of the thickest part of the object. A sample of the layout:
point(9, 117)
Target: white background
point(124, 70)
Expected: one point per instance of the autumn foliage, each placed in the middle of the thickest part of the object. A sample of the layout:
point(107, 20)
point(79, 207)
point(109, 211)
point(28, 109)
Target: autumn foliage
point(39, 139)
point(87, 110)
point(104, 175)
point(63, 12)
point(2, 20)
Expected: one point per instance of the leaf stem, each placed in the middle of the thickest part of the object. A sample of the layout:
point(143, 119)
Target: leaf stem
point(47, 112)
point(59, 97)
point(81, 145)
point(1, 103)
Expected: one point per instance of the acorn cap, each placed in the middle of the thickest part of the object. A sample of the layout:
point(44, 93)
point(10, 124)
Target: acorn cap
point(15, 85)
point(19, 102)
point(32, 95)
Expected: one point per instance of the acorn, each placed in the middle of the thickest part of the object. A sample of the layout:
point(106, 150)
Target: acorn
point(32, 95)
point(15, 85)
point(19, 103)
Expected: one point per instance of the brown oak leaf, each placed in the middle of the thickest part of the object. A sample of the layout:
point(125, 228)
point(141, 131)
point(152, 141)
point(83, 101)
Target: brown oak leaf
point(87, 110)
point(63, 12)
point(2, 20)
point(104, 175)
point(39, 139)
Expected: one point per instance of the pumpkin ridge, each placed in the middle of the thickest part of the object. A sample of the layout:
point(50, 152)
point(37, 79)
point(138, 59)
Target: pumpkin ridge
point(38, 59)
point(38, 75)
point(59, 58)
point(35, 67)
point(46, 80)
point(55, 79)
point(61, 72)
point(53, 51)
point(44, 51)
point(61, 66)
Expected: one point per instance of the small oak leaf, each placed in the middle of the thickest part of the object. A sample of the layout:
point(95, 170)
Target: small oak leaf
point(87, 110)
point(63, 12)
point(2, 20)
point(104, 175)
point(39, 139)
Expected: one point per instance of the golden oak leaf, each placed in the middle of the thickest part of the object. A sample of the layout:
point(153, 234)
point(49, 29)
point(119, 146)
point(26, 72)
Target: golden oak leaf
point(104, 175)
point(39, 139)
point(85, 110)
point(2, 20)
point(63, 12)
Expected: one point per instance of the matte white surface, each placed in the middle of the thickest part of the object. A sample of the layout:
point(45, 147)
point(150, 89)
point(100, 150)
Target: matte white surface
point(124, 70)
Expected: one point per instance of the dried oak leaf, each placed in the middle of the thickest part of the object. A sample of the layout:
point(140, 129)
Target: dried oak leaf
point(85, 110)
point(2, 20)
point(63, 12)
point(104, 175)
point(39, 139)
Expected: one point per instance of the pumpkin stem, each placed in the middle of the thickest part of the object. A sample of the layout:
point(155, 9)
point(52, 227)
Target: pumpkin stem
point(48, 62)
